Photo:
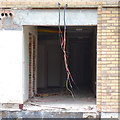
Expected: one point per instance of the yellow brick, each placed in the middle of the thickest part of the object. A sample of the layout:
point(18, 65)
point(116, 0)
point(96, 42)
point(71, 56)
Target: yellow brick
point(107, 11)
point(34, 3)
point(104, 3)
point(111, 21)
point(25, 3)
point(115, 12)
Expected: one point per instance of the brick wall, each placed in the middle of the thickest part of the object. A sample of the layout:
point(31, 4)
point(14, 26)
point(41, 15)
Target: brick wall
point(108, 47)
point(107, 60)
point(119, 57)
point(32, 65)
point(99, 65)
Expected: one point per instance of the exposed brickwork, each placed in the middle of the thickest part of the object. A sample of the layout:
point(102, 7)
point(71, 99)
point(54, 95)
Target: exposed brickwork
point(107, 60)
point(108, 47)
point(119, 58)
point(32, 65)
point(99, 65)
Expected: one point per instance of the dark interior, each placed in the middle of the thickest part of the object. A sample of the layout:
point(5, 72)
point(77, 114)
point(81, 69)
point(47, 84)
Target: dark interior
point(81, 51)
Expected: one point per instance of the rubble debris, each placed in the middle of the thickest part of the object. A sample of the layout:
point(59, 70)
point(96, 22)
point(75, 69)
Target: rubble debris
point(88, 108)
point(52, 92)
point(48, 106)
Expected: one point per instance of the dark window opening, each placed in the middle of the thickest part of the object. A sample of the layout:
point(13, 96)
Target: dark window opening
point(81, 51)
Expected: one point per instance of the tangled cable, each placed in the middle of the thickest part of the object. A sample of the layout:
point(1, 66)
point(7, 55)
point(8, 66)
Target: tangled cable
point(63, 47)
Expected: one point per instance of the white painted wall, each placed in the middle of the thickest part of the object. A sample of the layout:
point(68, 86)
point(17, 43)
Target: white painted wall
point(11, 66)
point(14, 65)
point(26, 30)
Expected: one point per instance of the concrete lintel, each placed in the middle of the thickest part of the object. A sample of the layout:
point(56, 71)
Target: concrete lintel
point(50, 17)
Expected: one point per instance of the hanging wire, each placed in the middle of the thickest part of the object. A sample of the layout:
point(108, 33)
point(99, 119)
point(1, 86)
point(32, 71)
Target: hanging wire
point(59, 24)
point(65, 58)
point(63, 47)
point(70, 76)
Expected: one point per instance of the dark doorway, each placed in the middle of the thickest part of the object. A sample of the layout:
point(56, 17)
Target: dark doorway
point(81, 51)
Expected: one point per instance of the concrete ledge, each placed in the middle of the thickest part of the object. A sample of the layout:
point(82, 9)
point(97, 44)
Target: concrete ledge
point(111, 115)
point(52, 115)
point(42, 114)
point(9, 107)
point(48, 4)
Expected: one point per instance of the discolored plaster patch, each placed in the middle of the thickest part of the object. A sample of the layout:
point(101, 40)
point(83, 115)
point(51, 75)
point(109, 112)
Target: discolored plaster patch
point(6, 20)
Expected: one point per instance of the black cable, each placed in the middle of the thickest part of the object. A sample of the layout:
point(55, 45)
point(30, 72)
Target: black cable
point(59, 14)
point(64, 23)
point(64, 17)
point(59, 23)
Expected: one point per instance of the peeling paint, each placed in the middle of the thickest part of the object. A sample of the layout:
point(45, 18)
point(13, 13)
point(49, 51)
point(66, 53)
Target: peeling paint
point(6, 20)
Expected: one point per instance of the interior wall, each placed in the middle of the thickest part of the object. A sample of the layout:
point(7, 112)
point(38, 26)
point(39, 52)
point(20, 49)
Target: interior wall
point(50, 66)
point(26, 31)
point(82, 60)
point(51, 16)
point(11, 62)
point(53, 65)
point(79, 61)
point(94, 61)
point(41, 66)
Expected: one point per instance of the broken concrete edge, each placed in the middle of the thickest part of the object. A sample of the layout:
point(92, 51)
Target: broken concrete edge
point(16, 111)
point(115, 116)
point(11, 107)
point(37, 107)
point(42, 114)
